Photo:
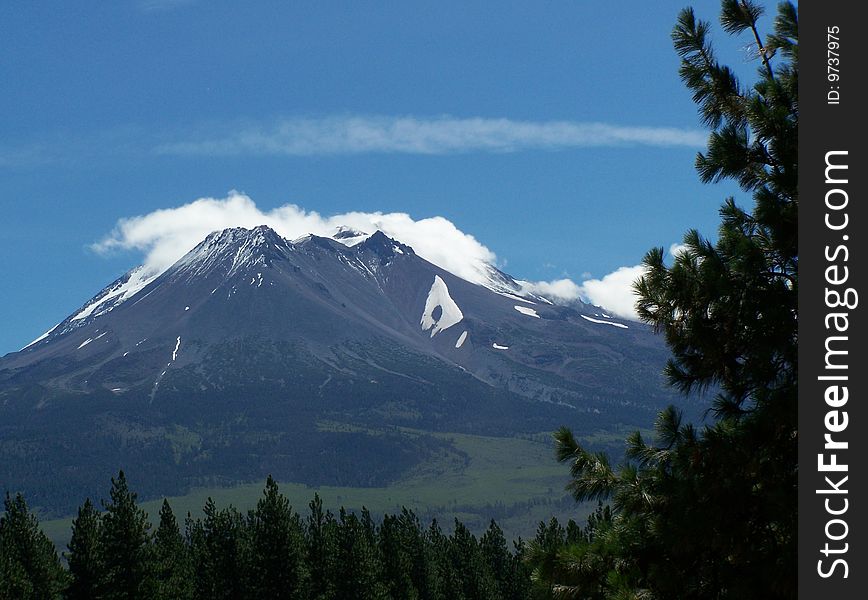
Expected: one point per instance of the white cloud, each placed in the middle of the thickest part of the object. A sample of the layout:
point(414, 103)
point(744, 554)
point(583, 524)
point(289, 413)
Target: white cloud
point(615, 291)
point(559, 289)
point(420, 135)
point(166, 235)
point(676, 249)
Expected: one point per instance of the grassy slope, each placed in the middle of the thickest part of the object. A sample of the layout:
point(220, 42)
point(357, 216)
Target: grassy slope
point(491, 471)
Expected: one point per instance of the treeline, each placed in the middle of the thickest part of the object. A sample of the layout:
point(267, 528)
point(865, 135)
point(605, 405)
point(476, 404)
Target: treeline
point(270, 552)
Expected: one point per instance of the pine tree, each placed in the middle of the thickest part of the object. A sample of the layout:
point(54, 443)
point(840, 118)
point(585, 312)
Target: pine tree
point(218, 547)
point(397, 560)
point(498, 559)
point(359, 575)
point(420, 553)
point(321, 556)
point(29, 566)
point(85, 556)
point(444, 580)
point(711, 511)
point(471, 572)
point(172, 568)
point(277, 548)
point(126, 550)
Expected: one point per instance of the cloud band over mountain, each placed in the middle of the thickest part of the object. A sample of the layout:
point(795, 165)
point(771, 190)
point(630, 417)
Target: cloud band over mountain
point(165, 235)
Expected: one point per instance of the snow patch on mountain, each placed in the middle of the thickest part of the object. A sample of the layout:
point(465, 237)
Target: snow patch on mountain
point(497, 346)
point(89, 340)
point(514, 297)
point(593, 320)
point(122, 289)
point(41, 337)
point(461, 339)
point(450, 314)
point(527, 311)
point(349, 237)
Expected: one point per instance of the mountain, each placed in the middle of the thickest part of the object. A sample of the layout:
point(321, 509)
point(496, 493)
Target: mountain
point(320, 360)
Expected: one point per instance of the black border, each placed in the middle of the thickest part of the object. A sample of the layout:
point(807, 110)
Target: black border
point(825, 127)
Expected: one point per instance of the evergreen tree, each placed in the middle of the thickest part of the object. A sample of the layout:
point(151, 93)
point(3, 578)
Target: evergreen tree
point(397, 560)
point(277, 548)
point(321, 544)
point(219, 553)
point(471, 572)
point(84, 557)
point(172, 568)
point(500, 562)
point(29, 566)
point(359, 568)
point(420, 553)
point(711, 512)
point(125, 544)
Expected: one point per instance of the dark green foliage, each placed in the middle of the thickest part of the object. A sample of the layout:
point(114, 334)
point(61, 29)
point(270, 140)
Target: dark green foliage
point(172, 569)
point(217, 547)
point(84, 559)
point(359, 573)
point(126, 556)
point(29, 566)
point(710, 511)
point(277, 553)
point(509, 574)
point(397, 547)
point(321, 544)
point(445, 582)
point(270, 553)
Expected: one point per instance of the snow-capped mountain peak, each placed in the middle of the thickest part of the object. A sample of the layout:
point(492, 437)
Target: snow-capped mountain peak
point(238, 250)
point(349, 236)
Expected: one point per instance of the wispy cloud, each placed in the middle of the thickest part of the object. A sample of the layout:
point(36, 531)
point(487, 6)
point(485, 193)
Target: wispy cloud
point(421, 135)
point(334, 136)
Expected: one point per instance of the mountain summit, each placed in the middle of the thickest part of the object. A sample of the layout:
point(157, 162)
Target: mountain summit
point(256, 354)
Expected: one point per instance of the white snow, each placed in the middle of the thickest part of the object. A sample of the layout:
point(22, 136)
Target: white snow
point(175, 351)
point(514, 297)
point(186, 308)
point(138, 279)
point(41, 337)
point(593, 320)
point(527, 311)
point(450, 314)
point(125, 353)
point(497, 346)
point(89, 340)
point(348, 236)
point(461, 340)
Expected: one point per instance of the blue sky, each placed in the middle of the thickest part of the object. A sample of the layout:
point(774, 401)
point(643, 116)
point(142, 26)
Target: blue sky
point(556, 133)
